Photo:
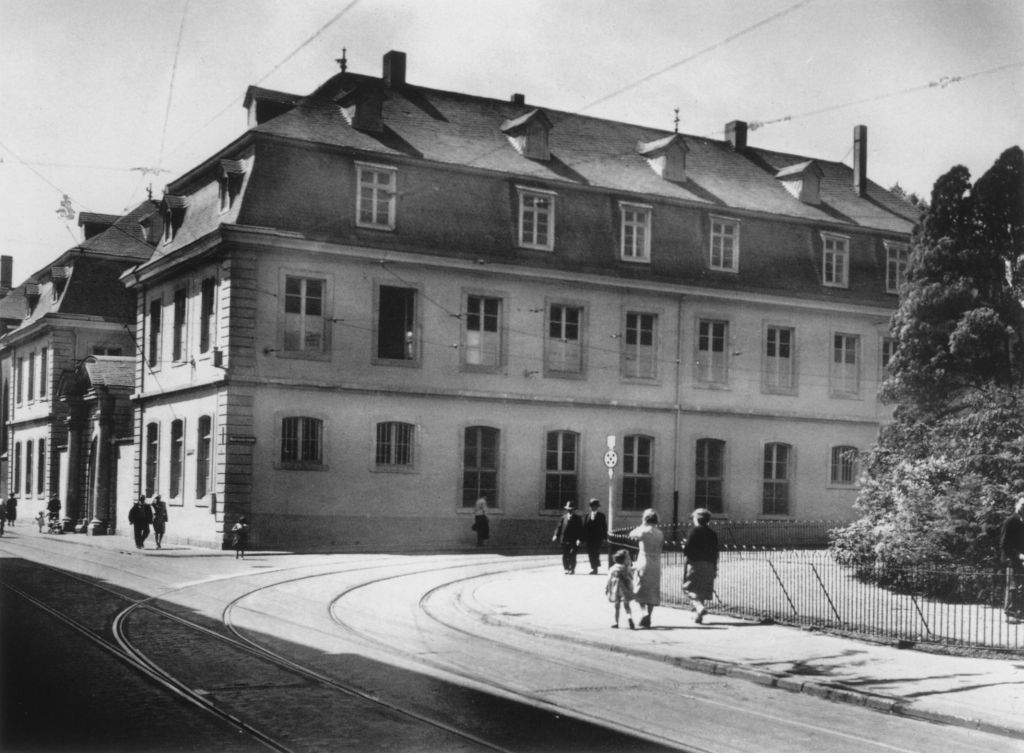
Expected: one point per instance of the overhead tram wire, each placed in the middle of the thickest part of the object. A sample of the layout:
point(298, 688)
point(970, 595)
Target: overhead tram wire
point(273, 70)
point(174, 74)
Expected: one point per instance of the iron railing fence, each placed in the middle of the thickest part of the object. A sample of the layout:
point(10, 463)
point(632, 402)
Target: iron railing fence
point(779, 534)
point(810, 588)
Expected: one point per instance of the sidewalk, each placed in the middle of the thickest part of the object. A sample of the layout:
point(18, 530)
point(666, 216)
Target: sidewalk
point(983, 694)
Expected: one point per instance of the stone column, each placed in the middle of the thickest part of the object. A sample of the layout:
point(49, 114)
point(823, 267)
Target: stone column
point(103, 486)
point(77, 424)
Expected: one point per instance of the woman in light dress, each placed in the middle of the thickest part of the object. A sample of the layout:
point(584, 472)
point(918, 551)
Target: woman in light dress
point(648, 565)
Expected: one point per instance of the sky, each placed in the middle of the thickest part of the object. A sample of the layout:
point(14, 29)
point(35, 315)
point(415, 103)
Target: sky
point(105, 99)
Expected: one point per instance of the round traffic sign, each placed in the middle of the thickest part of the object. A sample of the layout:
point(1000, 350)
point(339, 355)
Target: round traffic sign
point(611, 459)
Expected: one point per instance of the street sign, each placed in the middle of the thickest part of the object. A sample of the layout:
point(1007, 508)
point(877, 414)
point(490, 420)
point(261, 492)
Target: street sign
point(611, 459)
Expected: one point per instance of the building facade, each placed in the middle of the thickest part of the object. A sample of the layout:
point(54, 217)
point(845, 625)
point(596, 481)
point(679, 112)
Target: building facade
point(63, 415)
point(384, 301)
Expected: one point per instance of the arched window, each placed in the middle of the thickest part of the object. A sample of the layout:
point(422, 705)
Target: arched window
point(637, 472)
point(776, 474)
point(561, 466)
point(394, 443)
point(480, 465)
point(709, 475)
point(302, 440)
point(843, 466)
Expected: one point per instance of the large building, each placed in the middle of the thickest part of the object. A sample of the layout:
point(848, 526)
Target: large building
point(383, 301)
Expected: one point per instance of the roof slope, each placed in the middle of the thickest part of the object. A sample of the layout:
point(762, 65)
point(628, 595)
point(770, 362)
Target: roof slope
point(459, 129)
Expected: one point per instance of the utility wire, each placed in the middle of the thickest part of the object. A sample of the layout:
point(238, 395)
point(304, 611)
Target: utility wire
point(174, 73)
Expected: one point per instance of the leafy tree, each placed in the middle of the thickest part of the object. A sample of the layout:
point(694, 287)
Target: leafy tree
point(944, 472)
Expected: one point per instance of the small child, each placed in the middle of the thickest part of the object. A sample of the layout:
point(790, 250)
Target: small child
point(241, 537)
point(619, 587)
point(41, 520)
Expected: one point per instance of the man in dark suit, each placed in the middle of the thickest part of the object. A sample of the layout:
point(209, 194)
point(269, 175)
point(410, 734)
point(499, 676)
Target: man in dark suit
point(569, 531)
point(1011, 541)
point(595, 531)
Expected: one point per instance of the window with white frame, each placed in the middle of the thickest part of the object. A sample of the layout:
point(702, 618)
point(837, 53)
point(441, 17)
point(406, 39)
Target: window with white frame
point(397, 338)
point(482, 332)
point(304, 321)
point(536, 219)
point(712, 356)
point(480, 465)
point(561, 465)
point(637, 472)
point(43, 372)
point(563, 348)
point(776, 474)
point(375, 202)
point(709, 475)
point(301, 441)
point(19, 378)
point(152, 457)
point(635, 232)
point(639, 346)
point(843, 466)
point(31, 377)
point(394, 444)
point(845, 373)
point(896, 258)
point(779, 359)
point(204, 446)
point(725, 245)
point(153, 346)
point(888, 351)
point(835, 260)
point(177, 458)
point(207, 291)
point(178, 332)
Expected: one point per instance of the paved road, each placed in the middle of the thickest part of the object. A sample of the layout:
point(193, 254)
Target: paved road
point(423, 638)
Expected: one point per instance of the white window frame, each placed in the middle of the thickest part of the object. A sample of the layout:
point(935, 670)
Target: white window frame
point(639, 359)
point(835, 260)
point(712, 366)
point(528, 212)
point(394, 445)
point(886, 343)
point(842, 458)
point(380, 194)
point(635, 232)
point(779, 373)
point(724, 230)
point(844, 376)
point(897, 256)
point(784, 481)
point(564, 356)
point(306, 322)
point(310, 431)
point(483, 349)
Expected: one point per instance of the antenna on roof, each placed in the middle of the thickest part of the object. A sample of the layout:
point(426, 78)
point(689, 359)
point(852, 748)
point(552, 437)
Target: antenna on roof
point(342, 61)
point(677, 120)
point(149, 191)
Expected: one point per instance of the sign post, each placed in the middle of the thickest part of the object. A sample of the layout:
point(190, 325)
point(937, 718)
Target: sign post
point(611, 459)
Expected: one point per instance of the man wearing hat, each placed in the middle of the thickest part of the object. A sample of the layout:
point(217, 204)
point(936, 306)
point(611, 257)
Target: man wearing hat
point(595, 531)
point(569, 531)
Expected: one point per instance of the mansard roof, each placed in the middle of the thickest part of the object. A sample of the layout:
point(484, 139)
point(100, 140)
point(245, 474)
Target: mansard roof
point(459, 129)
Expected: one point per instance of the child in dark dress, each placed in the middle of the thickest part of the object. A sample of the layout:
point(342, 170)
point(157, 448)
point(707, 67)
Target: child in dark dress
point(619, 587)
point(240, 537)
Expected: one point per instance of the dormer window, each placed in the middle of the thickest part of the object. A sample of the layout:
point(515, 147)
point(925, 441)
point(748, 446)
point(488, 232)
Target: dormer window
point(528, 134)
point(803, 181)
point(59, 277)
point(635, 232)
point(896, 257)
point(375, 196)
point(229, 180)
point(31, 295)
point(173, 213)
point(835, 261)
point(724, 249)
point(363, 109)
point(536, 219)
point(666, 156)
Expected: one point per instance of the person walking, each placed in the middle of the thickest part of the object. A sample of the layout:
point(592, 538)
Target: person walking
point(1011, 542)
point(701, 565)
point(595, 531)
point(619, 587)
point(481, 524)
point(12, 509)
point(3, 515)
point(568, 532)
point(240, 537)
point(648, 564)
point(141, 518)
point(159, 520)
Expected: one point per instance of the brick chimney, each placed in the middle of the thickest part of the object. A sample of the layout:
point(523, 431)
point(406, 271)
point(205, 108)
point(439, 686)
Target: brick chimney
point(518, 99)
point(6, 273)
point(394, 69)
point(860, 159)
point(736, 134)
